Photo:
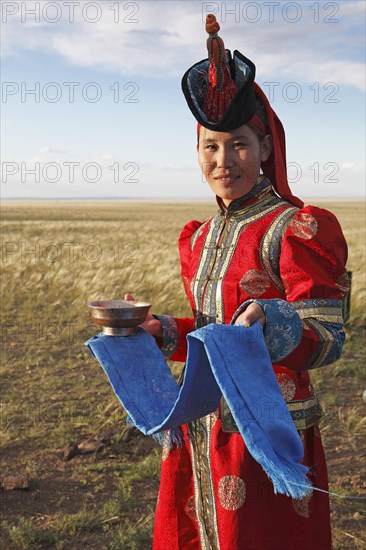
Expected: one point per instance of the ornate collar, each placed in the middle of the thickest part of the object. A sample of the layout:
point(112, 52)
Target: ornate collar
point(261, 189)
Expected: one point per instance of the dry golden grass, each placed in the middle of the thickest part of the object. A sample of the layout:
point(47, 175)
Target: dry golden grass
point(88, 250)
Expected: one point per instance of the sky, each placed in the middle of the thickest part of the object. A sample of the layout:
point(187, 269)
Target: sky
point(92, 105)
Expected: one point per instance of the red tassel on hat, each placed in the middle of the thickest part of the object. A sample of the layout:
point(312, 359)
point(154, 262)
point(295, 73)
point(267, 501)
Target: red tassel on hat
point(221, 87)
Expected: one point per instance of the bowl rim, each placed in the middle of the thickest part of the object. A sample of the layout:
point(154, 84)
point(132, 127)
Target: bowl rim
point(135, 304)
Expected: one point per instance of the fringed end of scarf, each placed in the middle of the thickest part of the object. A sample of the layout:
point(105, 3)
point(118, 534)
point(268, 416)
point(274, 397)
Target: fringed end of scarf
point(288, 479)
point(170, 438)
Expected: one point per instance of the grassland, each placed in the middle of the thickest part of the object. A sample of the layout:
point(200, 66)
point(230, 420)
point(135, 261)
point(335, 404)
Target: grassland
point(57, 256)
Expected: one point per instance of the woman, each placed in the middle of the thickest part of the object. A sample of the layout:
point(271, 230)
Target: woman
point(263, 257)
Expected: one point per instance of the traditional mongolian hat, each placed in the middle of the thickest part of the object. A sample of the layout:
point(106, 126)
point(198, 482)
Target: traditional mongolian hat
point(222, 95)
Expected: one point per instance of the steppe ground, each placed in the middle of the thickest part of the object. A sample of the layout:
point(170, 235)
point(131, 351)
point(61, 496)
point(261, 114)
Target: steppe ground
point(56, 257)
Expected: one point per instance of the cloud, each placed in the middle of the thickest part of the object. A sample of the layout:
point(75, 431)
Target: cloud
point(168, 37)
point(350, 9)
point(47, 154)
point(171, 166)
point(50, 150)
point(353, 167)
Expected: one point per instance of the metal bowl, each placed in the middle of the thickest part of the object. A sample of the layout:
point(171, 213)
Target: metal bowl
point(119, 317)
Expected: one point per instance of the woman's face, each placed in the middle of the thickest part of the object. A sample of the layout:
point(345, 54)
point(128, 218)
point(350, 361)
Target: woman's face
point(230, 161)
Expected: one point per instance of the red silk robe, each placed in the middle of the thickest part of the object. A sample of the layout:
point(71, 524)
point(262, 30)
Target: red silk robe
point(213, 495)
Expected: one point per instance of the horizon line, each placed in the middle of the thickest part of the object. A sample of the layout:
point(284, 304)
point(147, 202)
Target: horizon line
point(165, 199)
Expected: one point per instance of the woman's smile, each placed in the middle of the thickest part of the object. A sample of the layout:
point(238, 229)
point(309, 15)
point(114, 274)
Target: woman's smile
point(231, 161)
point(227, 179)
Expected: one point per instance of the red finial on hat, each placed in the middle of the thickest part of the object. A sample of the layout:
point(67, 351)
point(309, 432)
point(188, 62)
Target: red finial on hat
point(221, 87)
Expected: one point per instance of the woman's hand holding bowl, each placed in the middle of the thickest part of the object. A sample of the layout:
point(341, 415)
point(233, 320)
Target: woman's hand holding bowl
point(151, 325)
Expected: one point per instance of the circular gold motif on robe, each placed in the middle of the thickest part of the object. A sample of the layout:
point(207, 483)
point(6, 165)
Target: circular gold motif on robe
point(304, 225)
point(301, 505)
point(254, 282)
point(232, 492)
point(287, 386)
point(191, 508)
point(343, 283)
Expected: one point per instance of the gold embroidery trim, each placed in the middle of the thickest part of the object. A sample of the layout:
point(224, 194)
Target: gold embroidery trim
point(196, 287)
point(297, 408)
point(326, 341)
point(240, 226)
point(200, 443)
point(267, 241)
point(326, 314)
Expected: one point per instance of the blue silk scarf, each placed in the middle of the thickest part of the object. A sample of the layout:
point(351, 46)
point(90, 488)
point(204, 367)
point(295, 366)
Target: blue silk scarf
point(228, 360)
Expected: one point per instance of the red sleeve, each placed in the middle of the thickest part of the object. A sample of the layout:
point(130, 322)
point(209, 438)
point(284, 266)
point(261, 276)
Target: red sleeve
point(312, 268)
point(184, 325)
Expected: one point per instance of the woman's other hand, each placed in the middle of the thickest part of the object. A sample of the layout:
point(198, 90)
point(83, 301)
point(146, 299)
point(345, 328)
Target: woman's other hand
point(151, 325)
point(253, 313)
